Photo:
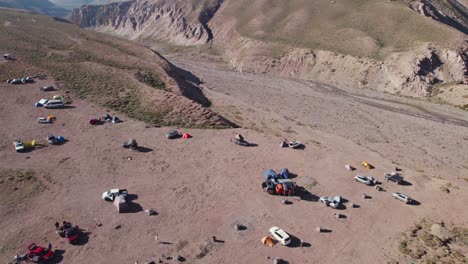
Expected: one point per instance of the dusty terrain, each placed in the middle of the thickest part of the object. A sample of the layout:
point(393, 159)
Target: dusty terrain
point(202, 186)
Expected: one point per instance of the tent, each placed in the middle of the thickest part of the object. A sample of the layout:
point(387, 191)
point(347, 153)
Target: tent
point(29, 144)
point(60, 139)
point(266, 240)
point(270, 174)
point(284, 173)
point(121, 204)
point(186, 135)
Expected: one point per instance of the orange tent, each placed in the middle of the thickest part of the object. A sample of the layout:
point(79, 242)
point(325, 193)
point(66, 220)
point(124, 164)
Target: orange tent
point(186, 135)
point(266, 240)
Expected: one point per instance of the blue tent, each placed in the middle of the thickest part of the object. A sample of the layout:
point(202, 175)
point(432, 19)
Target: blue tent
point(270, 174)
point(60, 139)
point(284, 173)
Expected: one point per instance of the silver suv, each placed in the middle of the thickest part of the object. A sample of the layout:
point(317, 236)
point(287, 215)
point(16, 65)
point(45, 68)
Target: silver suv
point(402, 197)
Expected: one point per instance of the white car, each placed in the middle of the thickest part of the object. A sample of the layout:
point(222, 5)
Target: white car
point(44, 120)
point(19, 146)
point(365, 179)
point(110, 195)
point(332, 202)
point(280, 235)
point(402, 197)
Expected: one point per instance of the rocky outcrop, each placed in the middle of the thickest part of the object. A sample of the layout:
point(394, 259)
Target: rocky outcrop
point(141, 20)
point(452, 13)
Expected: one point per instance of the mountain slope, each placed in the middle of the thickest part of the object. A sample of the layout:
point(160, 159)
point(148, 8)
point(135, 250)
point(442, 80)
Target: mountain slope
point(372, 44)
point(40, 6)
point(69, 4)
point(115, 73)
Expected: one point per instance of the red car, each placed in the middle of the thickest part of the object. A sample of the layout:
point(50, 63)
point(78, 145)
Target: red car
point(39, 254)
point(95, 121)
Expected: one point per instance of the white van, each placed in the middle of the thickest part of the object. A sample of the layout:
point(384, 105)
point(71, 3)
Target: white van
point(54, 104)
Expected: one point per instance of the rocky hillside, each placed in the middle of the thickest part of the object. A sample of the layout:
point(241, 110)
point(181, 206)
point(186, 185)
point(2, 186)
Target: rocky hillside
point(40, 6)
point(379, 44)
point(118, 74)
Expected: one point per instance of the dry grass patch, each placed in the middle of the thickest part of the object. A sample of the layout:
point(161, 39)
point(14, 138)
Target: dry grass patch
point(434, 242)
point(16, 188)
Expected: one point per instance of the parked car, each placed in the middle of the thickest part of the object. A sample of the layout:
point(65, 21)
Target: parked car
point(111, 194)
point(27, 80)
point(39, 254)
point(54, 104)
point(402, 197)
point(14, 81)
point(95, 121)
point(332, 202)
point(44, 120)
point(51, 139)
point(173, 134)
point(131, 144)
point(394, 178)
point(280, 235)
point(47, 88)
point(365, 179)
point(19, 146)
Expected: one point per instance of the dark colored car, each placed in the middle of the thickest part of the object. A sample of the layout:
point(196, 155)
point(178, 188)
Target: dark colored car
point(95, 121)
point(173, 134)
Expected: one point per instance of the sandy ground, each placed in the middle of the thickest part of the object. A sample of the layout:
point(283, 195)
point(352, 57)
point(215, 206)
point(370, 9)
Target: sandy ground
point(202, 186)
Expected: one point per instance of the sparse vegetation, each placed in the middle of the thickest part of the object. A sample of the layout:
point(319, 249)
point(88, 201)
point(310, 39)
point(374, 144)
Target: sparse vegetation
point(111, 72)
point(433, 242)
point(16, 187)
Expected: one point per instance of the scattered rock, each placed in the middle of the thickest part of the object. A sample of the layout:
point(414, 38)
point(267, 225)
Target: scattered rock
point(117, 226)
point(318, 229)
point(239, 227)
point(444, 189)
point(15, 188)
point(99, 224)
point(180, 258)
point(364, 196)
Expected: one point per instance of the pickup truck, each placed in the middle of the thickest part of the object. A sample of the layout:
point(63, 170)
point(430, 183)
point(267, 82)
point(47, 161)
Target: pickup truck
point(394, 178)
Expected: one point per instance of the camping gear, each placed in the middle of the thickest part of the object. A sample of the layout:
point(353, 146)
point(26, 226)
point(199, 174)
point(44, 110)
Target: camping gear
point(173, 134)
point(107, 118)
point(239, 137)
point(121, 204)
point(132, 144)
point(267, 240)
point(7, 56)
point(270, 174)
point(366, 165)
point(269, 186)
point(37, 104)
point(116, 120)
point(57, 97)
point(185, 136)
point(60, 139)
point(284, 173)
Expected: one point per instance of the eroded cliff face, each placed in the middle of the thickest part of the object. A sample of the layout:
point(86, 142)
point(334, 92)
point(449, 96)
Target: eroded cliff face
point(412, 73)
point(142, 20)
